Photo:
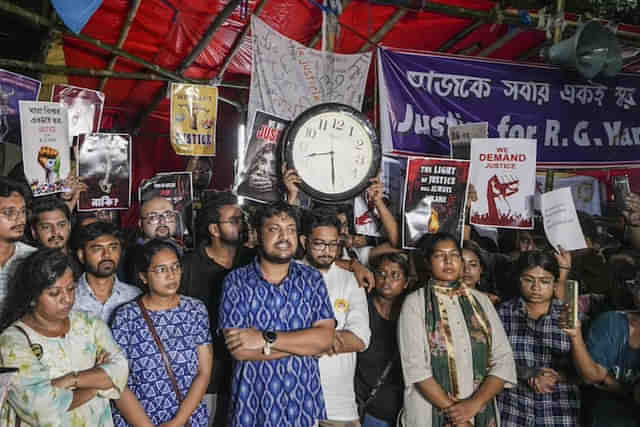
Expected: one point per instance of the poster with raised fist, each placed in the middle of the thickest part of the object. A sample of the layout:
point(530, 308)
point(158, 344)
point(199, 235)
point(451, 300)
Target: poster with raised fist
point(503, 172)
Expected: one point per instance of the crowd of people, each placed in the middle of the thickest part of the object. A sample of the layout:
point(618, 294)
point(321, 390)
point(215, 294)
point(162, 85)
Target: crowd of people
point(283, 316)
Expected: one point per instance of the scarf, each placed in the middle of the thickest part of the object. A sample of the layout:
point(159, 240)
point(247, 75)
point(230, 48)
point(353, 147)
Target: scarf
point(443, 349)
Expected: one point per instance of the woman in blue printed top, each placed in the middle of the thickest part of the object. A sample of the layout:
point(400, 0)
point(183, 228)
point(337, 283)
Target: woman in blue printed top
point(182, 326)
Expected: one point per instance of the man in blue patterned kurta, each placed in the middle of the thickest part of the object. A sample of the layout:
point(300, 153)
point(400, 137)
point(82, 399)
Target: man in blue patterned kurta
point(276, 315)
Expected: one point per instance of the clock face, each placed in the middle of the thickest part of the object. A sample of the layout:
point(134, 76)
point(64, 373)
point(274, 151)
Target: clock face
point(335, 151)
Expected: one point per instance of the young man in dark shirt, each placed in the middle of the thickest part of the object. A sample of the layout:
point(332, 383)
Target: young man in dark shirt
point(204, 269)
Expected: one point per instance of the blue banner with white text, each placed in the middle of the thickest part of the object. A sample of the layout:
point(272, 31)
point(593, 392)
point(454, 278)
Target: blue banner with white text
point(575, 121)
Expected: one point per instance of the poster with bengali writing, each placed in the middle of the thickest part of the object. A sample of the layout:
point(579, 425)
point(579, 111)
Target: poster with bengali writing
point(46, 155)
point(104, 164)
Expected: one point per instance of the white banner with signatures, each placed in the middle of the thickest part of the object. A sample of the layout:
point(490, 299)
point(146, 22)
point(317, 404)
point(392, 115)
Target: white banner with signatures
point(287, 77)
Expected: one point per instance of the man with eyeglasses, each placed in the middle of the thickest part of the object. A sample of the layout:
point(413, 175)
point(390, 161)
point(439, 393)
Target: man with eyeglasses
point(338, 366)
point(99, 291)
point(221, 221)
point(13, 218)
point(158, 220)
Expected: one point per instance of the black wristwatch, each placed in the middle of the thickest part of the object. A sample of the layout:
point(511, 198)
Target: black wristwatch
point(269, 338)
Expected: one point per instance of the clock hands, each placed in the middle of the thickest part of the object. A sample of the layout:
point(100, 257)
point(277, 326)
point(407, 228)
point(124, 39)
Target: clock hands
point(333, 168)
point(319, 154)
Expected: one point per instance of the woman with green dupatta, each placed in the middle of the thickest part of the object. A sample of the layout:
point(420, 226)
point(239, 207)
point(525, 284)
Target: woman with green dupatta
point(454, 351)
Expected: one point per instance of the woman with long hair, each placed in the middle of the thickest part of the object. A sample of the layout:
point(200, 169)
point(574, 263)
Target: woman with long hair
point(455, 354)
point(378, 377)
point(69, 364)
point(167, 340)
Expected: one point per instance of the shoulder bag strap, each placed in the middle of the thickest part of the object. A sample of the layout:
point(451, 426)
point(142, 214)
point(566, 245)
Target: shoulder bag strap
point(156, 338)
point(381, 380)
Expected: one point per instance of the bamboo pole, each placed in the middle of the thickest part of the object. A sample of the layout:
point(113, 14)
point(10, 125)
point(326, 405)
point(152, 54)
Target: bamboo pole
point(193, 55)
point(461, 35)
point(89, 72)
point(510, 35)
point(133, 10)
point(236, 45)
point(557, 35)
point(510, 16)
point(208, 35)
point(42, 21)
point(373, 40)
point(63, 70)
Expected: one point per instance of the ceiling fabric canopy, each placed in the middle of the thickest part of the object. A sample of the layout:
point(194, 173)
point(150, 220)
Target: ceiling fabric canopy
point(166, 32)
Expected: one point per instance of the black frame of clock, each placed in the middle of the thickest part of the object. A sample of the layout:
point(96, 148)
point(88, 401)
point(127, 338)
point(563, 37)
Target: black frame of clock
point(333, 107)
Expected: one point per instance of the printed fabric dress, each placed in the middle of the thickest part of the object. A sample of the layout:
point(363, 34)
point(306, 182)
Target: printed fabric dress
point(34, 398)
point(182, 330)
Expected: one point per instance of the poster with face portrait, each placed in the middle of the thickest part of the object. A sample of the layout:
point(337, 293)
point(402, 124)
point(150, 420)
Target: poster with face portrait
point(260, 178)
point(84, 107)
point(177, 188)
point(104, 164)
point(194, 113)
point(45, 151)
point(13, 89)
point(503, 172)
point(435, 196)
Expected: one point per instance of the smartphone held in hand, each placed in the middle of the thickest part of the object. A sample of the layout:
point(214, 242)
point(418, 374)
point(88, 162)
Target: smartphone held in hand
point(621, 189)
point(571, 297)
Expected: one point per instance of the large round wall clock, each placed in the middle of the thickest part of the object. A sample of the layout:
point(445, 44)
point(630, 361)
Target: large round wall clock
point(335, 150)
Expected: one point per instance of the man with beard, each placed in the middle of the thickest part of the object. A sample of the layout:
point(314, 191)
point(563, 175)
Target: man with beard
point(157, 219)
point(13, 217)
point(276, 316)
point(51, 222)
point(203, 271)
point(99, 291)
point(321, 241)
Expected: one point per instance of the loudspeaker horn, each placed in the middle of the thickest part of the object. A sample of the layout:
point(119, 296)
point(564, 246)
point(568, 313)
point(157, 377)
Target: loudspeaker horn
point(593, 49)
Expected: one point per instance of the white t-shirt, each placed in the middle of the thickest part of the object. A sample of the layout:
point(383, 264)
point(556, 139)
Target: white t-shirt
point(337, 372)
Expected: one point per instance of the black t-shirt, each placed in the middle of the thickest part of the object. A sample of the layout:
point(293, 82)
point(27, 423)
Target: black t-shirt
point(202, 278)
point(383, 347)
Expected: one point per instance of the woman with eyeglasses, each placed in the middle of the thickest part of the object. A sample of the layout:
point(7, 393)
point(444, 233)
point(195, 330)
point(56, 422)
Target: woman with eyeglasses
point(378, 380)
point(167, 340)
point(454, 352)
point(547, 389)
point(69, 364)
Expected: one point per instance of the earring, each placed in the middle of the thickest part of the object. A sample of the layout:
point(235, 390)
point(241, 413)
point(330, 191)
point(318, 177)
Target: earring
point(32, 304)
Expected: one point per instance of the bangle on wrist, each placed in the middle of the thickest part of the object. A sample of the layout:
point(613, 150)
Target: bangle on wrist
point(561, 267)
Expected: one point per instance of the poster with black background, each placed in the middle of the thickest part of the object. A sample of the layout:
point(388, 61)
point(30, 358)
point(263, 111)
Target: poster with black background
point(260, 178)
point(435, 196)
point(104, 163)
